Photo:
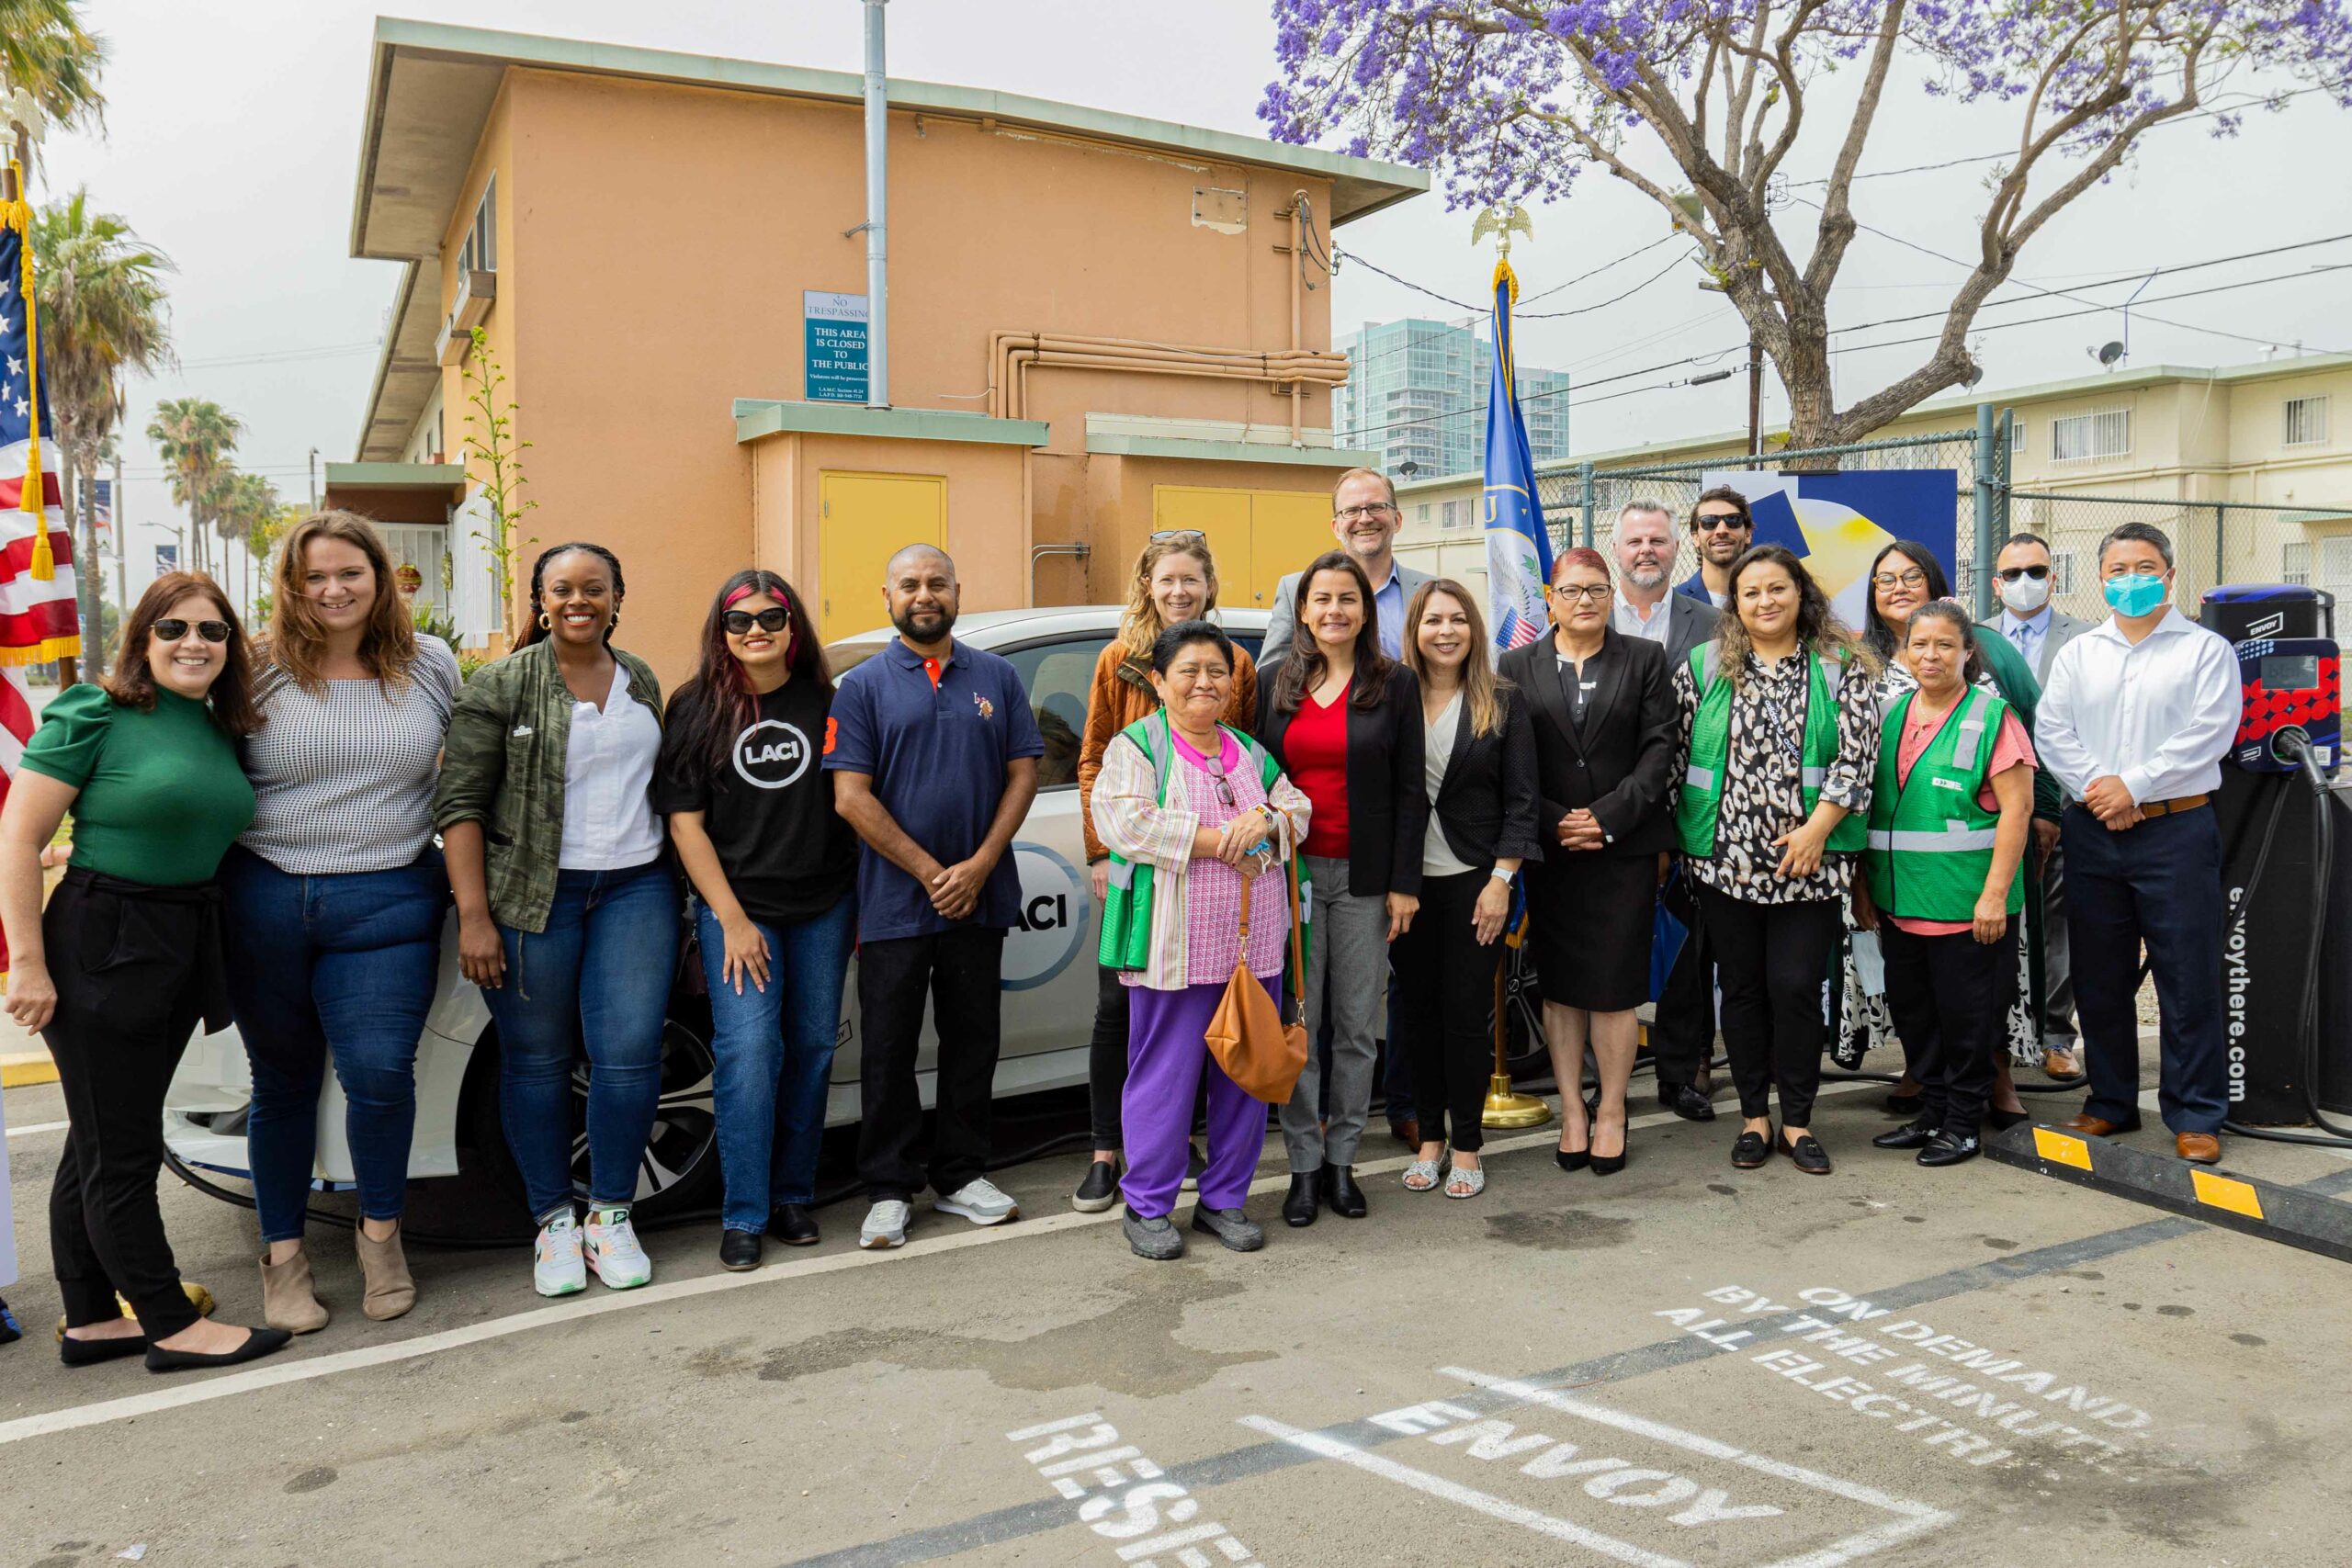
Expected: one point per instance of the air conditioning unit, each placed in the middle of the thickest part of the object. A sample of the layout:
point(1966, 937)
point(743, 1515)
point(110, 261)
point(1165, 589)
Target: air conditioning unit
point(477, 291)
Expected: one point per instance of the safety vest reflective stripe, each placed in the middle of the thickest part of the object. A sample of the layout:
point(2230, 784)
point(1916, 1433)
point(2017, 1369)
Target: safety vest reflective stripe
point(1957, 839)
point(1699, 778)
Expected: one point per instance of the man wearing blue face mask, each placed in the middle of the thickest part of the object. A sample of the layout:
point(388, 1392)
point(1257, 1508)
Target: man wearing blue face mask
point(2134, 721)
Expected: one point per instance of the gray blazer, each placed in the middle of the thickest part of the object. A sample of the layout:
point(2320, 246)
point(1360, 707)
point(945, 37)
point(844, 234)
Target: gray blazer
point(1283, 620)
point(2063, 629)
point(1694, 621)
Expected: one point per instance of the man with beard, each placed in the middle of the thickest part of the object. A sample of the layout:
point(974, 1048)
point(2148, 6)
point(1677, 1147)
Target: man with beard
point(1722, 530)
point(933, 751)
point(1644, 542)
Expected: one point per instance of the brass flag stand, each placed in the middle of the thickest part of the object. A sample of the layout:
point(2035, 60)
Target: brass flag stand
point(1505, 1108)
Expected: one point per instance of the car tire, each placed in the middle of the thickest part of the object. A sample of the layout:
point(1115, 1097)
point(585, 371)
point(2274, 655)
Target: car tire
point(678, 1176)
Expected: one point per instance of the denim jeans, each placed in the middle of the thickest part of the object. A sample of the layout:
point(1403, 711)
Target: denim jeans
point(598, 978)
point(340, 967)
point(774, 1050)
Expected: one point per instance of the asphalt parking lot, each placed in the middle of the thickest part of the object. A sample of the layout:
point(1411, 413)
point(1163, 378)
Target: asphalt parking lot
point(1680, 1364)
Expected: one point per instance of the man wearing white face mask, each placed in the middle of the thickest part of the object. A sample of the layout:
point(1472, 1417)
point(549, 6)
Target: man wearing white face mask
point(2038, 630)
point(2138, 715)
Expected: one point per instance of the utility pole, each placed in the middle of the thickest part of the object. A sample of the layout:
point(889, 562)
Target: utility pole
point(121, 534)
point(314, 479)
point(1755, 399)
point(878, 201)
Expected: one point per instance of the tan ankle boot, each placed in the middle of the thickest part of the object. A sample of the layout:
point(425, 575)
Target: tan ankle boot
point(287, 1299)
point(391, 1288)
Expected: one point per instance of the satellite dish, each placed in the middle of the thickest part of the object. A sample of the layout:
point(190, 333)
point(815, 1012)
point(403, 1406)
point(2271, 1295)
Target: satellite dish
point(2109, 355)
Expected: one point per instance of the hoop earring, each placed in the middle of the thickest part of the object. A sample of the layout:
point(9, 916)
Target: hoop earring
point(547, 623)
point(614, 621)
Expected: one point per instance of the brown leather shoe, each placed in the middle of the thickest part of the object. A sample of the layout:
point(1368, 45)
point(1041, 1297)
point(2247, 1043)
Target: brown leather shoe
point(2092, 1126)
point(1407, 1132)
point(2061, 1066)
point(2197, 1148)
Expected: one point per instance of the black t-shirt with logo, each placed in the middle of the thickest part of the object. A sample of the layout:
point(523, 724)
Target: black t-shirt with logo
point(769, 812)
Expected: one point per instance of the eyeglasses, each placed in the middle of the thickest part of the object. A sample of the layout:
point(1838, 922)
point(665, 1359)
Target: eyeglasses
point(1719, 523)
point(1915, 578)
point(1376, 510)
point(210, 631)
point(772, 619)
point(1591, 593)
point(2012, 573)
point(1165, 535)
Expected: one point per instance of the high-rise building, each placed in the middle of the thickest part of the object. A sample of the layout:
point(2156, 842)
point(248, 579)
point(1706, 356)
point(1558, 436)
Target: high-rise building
point(1416, 393)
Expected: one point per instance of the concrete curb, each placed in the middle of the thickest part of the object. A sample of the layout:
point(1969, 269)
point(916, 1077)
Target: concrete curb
point(24, 1069)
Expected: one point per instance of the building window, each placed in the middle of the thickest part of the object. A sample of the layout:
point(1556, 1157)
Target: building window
point(1452, 514)
point(1421, 513)
point(2061, 573)
point(2306, 423)
point(2295, 562)
point(2107, 433)
point(2016, 439)
point(479, 252)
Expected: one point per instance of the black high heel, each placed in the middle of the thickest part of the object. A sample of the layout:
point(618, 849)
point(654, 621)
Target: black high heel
point(1573, 1160)
point(2002, 1121)
point(1608, 1165)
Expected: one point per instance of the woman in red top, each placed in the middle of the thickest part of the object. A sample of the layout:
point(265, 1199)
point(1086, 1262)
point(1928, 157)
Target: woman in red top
point(1344, 720)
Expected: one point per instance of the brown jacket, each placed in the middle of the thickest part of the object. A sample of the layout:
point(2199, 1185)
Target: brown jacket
point(1121, 694)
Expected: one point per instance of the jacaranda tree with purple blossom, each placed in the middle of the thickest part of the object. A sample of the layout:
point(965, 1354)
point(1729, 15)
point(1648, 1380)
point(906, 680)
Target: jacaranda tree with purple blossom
point(1511, 100)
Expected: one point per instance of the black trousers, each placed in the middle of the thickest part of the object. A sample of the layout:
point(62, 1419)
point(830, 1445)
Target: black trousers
point(1106, 1058)
point(959, 971)
point(132, 975)
point(1682, 1036)
point(1773, 961)
point(1951, 996)
point(1445, 999)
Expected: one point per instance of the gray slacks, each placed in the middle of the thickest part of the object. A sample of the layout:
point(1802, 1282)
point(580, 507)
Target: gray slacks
point(1347, 971)
point(2057, 972)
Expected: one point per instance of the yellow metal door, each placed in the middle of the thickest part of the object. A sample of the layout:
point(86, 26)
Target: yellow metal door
point(1290, 529)
point(1223, 515)
point(865, 520)
point(1256, 534)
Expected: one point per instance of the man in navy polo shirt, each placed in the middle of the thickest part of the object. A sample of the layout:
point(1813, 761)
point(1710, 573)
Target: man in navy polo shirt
point(933, 751)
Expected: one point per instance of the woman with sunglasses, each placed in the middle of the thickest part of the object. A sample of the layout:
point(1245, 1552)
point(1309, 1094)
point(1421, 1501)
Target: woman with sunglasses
point(1905, 575)
point(773, 868)
point(336, 897)
point(1174, 580)
point(567, 913)
point(118, 970)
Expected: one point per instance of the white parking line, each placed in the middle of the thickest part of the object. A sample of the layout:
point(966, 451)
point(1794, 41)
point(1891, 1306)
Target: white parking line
point(39, 1127)
point(1494, 1507)
point(279, 1371)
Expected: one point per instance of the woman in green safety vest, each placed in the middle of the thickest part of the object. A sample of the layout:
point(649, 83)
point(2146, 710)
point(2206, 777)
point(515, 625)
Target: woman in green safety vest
point(1951, 812)
point(1779, 746)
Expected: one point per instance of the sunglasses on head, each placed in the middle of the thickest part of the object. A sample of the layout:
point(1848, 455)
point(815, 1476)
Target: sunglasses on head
point(210, 631)
point(1164, 535)
point(772, 619)
point(2012, 573)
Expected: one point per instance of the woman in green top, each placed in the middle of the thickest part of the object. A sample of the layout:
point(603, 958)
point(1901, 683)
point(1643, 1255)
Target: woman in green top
point(128, 958)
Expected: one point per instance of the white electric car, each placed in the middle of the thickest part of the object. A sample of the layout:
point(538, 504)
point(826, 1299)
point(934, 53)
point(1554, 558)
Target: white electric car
point(1048, 978)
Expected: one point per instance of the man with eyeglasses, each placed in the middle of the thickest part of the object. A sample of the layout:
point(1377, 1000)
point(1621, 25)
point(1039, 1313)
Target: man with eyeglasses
point(1643, 544)
point(1721, 529)
point(2038, 630)
point(1365, 520)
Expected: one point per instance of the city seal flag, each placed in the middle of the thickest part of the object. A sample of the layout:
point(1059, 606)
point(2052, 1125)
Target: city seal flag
point(38, 623)
point(1519, 552)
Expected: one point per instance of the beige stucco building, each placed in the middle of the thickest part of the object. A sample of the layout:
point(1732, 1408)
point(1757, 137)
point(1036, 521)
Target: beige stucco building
point(1099, 324)
point(2270, 435)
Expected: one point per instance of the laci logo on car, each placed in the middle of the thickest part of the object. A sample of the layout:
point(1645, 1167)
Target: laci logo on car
point(1051, 924)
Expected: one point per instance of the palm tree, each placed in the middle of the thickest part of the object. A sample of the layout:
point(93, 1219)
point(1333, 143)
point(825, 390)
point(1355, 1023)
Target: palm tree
point(195, 437)
point(250, 506)
point(102, 313)
point(45, 49)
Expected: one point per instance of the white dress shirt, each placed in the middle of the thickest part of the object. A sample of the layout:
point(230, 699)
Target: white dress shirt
point(1629, 622)
point(1438, 858)
point(2159, 715)
point(2027, 633)
point(608, 822)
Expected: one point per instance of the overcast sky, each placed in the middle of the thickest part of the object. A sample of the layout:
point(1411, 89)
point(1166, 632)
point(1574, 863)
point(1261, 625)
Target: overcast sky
point(231, 144)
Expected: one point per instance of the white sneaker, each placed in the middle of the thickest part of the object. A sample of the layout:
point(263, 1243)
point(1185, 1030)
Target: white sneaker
point(614, 1252)
point(556, 1268)
point(981, 1201)
point(886, 1224)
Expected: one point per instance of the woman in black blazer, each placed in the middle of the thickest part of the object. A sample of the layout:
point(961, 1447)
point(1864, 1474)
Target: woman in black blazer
point(1479, 771)
point(1605, 734)
point(1344, 720)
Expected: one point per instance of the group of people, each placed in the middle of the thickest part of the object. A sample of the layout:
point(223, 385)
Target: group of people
point(276, 832)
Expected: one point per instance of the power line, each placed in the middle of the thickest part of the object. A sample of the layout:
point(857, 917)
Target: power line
point(1604, 266)
point(279, 355)
point(1588, 310)
point(2102, 310)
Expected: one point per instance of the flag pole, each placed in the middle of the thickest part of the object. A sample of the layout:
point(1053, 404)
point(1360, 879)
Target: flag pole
point(1506, 1108)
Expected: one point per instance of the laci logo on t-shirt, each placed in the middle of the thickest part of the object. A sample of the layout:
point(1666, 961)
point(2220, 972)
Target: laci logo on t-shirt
point(771, 755)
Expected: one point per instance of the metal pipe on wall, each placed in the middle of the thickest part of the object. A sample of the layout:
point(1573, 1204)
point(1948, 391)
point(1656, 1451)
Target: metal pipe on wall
point(878, 240)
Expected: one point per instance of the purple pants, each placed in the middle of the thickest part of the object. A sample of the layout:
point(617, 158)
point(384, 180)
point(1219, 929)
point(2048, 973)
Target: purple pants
point(1167, 1053)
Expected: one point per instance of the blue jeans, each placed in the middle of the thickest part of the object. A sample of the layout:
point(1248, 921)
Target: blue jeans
point(336, 966)
point(774, 1050)
point(598, 978)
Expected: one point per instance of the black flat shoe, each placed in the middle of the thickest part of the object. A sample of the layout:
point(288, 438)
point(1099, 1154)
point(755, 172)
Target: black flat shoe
point(793, 1224)
point(2002, 1121)
point(1099, 1190)
point(738, 1251)
point(90, 1352)
point(1807, 1154)
point(1341, 1191)
point(1686, 1102)
point(1907, 1104)
point(259, 1342)
point(1910, 1135)
point(1948, 1149)
point(1751, 1151)
point(1300, 1206)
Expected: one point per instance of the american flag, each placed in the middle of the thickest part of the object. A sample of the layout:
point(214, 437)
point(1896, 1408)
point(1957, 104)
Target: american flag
point(38, 622)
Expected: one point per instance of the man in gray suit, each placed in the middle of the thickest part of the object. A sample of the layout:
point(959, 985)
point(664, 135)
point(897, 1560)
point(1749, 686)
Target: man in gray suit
point(1365, 520)
point(2022, 576)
